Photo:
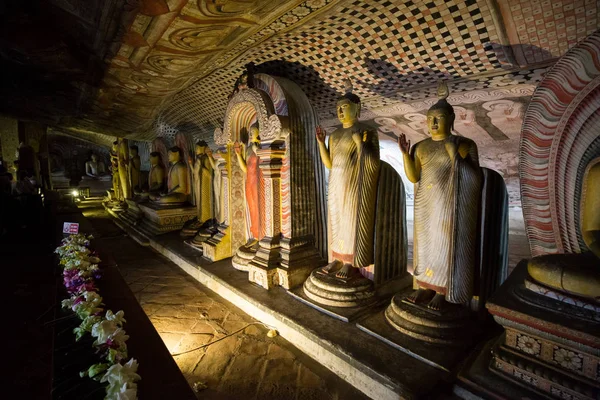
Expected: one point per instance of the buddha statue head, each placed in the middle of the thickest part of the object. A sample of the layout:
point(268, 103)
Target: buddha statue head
point(440, 117)
point(133, 151)
point(174, 154)
point(254, 134)
point(200, 148)
point(94, 158)
point(348, 106)
point(155, 158)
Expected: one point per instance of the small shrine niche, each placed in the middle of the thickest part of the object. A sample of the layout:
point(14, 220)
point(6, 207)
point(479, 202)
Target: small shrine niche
point(279, 234)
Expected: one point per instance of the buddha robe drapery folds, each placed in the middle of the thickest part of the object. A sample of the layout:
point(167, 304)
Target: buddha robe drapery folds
point(352, 195)
point(253, 189)
point(446, 216)
point(203, 173)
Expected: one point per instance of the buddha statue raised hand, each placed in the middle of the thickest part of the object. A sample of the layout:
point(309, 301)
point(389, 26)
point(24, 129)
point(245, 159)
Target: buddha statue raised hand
point(445, 170)
point(248, 160)
point(352, 156)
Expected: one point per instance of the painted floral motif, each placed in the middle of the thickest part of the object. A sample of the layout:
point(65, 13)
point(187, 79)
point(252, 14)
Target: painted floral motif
point(315, 3)
point(525, 378)
point(567, 359)
point(528, 344)
point(559, 393)
point(301, 11)
point(289, 19)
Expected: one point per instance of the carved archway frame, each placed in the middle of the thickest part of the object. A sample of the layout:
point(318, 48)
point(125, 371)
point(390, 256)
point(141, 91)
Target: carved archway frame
point(244, 107)
point(559, 128)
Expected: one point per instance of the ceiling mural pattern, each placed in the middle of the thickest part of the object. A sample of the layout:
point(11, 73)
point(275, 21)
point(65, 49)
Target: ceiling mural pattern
point(545, 29)
point(385, 47)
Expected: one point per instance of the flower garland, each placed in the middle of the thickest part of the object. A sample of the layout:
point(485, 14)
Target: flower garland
point(80, 269)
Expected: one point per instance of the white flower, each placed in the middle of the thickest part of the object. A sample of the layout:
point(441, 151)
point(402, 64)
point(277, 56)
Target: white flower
point(119, 374)
point(528, 344)
point(103, 331)
point(118, 318)
point(567, 359)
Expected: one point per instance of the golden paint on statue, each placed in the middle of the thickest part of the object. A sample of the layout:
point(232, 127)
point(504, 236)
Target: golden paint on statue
point(352, 156)
point(445, 170)
point(114, 162)
point(156, 176)
point(135, 164)
point(577, 274)
point(177, 181)
point(202, 173)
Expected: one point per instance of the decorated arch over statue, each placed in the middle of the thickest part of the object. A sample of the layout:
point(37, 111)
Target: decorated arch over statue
point(272, 228)
point(559, 138)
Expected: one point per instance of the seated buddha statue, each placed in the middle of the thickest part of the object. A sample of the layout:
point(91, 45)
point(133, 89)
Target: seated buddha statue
point(156, 176)
point(577, 274)
point(177, 181)
point(95, 169)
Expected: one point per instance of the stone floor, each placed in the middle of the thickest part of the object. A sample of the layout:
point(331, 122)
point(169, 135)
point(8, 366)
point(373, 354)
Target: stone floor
point(245, 365)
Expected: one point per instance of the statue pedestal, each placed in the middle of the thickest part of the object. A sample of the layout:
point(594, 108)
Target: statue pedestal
point(439, 339)
point(133, 214)
point(163, 219)
point(298, 258)
point(218, 247)
point(549, 346)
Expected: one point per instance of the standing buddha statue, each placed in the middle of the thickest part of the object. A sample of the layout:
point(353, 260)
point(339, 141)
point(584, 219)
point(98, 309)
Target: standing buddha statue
point(202, 186)
point(249, 160)
point(134, 169)
point(114, 163)
point(352, 156)
point(445, 170)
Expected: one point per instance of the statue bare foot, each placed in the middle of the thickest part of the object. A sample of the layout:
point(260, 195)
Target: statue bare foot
point(347, 271)
point(420, 296)
point(332, 266)
point(437, 303)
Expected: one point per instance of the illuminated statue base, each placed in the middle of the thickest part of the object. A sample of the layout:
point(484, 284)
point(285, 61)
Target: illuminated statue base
point(162, 219)
point(452, 327)
point(326, 289)
point(549, 346)
point(218, 247)
point(191, 227)
point(244, 255)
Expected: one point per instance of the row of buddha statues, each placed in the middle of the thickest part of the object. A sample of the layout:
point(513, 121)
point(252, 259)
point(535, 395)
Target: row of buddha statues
point(460, 218)
point(444, 168)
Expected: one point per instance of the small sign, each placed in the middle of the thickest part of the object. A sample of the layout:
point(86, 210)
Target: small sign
point(71, 228)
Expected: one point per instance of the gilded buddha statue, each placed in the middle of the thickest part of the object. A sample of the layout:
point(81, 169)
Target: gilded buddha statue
point(577, 274)
point(114, 164)
point(135, 164)
point(352, 156)
point(445, 169)
point(156, 177)
point(177, 181)
point(202, 186)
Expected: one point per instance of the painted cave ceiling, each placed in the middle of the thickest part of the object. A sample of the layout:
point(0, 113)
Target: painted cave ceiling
point(141, 68)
